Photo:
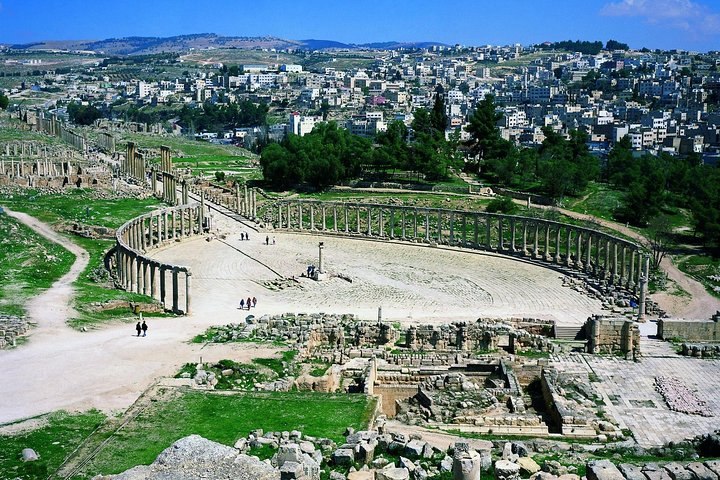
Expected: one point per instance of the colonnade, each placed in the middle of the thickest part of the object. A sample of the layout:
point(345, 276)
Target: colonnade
point(169, 179)
point(139, 273)
point(133, 164)
point(615, 260)
point(44, 167)
point(53, 126)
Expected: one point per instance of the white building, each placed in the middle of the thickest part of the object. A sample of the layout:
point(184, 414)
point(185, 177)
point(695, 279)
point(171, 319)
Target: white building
point(300, 125)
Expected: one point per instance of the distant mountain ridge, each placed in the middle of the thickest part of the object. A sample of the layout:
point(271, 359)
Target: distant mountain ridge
point(201, 41)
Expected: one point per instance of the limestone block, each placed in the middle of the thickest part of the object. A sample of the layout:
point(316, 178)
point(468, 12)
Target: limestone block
point(291, 471)
point(505, 470)
point(714, 466)
point(701, 471)
point(392, 473)
point(414, 448)
point(343, 456)
point(603, 470)
point(362, 475)
point(528, 466)
point(631, 472)
point(678, 472)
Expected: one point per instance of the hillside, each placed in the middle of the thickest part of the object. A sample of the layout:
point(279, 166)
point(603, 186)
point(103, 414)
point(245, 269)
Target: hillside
point(202, 41)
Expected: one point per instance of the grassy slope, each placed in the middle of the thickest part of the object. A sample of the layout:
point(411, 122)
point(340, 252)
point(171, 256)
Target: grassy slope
point(225, 418)
point(80, 206)
point(28, 264)
point(53, 443)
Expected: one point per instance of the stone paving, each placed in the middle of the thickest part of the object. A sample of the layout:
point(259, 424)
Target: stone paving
point(411, 283)
point(631, 397)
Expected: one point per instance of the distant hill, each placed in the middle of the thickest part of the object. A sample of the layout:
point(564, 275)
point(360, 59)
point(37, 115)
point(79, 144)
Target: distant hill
point(202, 41)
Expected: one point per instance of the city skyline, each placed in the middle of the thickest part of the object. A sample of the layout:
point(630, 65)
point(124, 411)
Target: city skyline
point(664, 24)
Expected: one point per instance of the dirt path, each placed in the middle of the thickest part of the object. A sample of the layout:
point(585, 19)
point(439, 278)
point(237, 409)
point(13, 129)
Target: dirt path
point(52, 308)
point(699, 305)
point(107, 369)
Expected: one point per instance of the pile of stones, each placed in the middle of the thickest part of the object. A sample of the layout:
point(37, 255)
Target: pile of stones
point(680, 398)
point(11, 327)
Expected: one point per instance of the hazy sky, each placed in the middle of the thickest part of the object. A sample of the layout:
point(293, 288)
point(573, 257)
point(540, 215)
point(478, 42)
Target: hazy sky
point(684, 24)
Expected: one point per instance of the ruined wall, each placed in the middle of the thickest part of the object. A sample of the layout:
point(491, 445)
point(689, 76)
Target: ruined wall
point(612, 335)
point(699, 331)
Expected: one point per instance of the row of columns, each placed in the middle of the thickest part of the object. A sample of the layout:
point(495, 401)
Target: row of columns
point(141, 274)
point(47, 168)
point(602, 255)
point(133, 164)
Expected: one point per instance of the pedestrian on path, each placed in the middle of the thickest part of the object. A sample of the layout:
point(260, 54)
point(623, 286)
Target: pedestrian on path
point(144, 328)
point(138, 328)
point(249, 303)
point(254, 300)
point(267, 240)
point(242, 304)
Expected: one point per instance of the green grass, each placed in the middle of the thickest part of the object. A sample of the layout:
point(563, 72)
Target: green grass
point(701, 268)
point(29, 264)
point(187, 146)
point(225, 418)
point(53, 442)
point(82, 206)
point(600, 200)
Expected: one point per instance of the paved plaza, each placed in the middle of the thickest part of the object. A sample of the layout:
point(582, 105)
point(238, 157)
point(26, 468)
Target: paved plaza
point(409, 282)
point(630, 394)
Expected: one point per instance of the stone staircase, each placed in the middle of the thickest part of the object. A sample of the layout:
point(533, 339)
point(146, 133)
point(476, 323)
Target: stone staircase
point(568, 332)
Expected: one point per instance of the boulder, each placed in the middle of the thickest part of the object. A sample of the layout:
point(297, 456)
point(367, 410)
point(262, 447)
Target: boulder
point(392, 474)
point(603, 470)
point(29, 455)
point(714, 466)
point(415, 448)
point(528, 466)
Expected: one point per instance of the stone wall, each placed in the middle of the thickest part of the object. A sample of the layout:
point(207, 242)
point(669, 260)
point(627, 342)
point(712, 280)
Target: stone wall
point(612, 335)
point(10, 328)
point(697, 331)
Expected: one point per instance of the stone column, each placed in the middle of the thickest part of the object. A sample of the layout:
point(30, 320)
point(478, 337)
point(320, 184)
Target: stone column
point(144, 277)
point(402, 228)
point(546, 250)
point(488, 231)
point(464, 230)
point(536, 252)
point(606, 267)
point(289, 216)
point(623, 270)
point(645, 259)
point(175, 308)
point(501, 236)
point(598, 252)
point(451, 221)
point(369, 221)
point(188, 276)
point(427, 226)
point(324, 218)
point(381, 223)
point(153, 279)
point(300, 217)
point(163, 290)
point(524, 237)
point(476, 231)
point(392, 223)
point(415, 224)
point(631, 282)
point(439, 226)
point(335, 223)
point(312, 218)
point(347, 218)
point(237, 201)
point(357, 212)
point(138, 275)
point(614, 273)
point(512, 235)
point(568, 259)
point(557, 244)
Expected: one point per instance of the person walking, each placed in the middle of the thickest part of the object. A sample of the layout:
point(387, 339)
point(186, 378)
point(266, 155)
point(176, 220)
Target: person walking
point(267, 240)
point(242, 304)
point(254, 300)
point(249, 303)
point(144, 328)
point(138, 328)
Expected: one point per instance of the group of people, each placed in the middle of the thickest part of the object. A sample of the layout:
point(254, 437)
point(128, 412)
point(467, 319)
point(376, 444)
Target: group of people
point(250, 302)
point(267, 240)
point(244, 236)
point(141, 328)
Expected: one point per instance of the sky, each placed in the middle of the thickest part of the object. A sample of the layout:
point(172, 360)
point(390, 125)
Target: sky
point(664, 24)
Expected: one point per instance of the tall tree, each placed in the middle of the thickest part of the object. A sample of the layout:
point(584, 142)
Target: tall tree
point(438, 115)
point(482, 127)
